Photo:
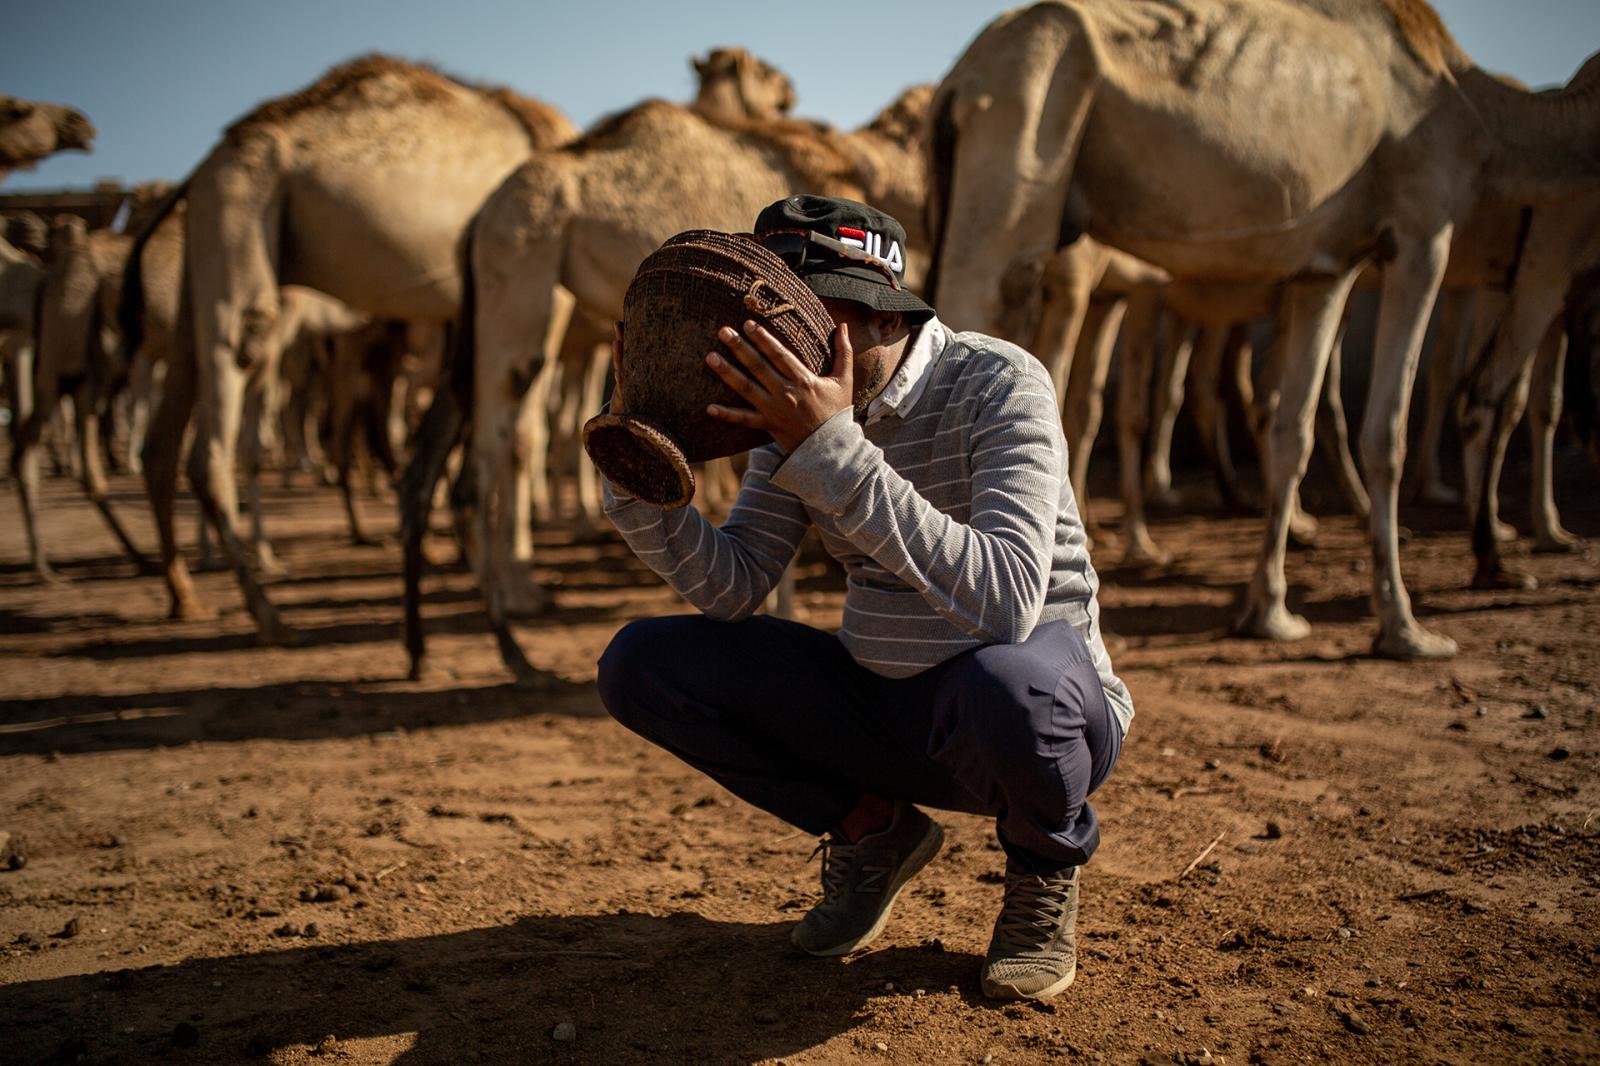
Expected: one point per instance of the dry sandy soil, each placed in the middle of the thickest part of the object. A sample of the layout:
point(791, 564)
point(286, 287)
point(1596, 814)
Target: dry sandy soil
point(290, 855)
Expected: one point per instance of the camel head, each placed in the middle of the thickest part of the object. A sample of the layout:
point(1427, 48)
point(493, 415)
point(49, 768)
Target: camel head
point(31, 131)
point(736, 85)
point(27, 231)
point(905, 121)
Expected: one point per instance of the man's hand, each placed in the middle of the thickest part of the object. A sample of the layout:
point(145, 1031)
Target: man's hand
point(615, 407)
point(786, 399)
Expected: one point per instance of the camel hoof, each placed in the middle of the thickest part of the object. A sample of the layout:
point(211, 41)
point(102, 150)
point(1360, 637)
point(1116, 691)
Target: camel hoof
point(1557, 541)
point(525, 601)
point(209, 564)
point(1504, 532)
point(1413, 642)
point(43, 575)
point(1495, 577)
point(1272, 623)
point(1143, 551)
point(275, 634)
point(1162, 497)
point(191, 611)
point(1438, 494)
point(1302, 538)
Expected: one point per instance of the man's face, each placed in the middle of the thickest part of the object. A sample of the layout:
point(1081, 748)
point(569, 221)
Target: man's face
point(873, 336)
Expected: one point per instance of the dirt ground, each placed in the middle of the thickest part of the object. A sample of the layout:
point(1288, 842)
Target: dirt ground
point(291, 855)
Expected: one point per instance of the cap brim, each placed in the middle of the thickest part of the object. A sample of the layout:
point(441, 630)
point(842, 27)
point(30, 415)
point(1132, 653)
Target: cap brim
point(865, 286)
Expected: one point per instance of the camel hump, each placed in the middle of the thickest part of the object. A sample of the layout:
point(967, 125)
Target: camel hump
point(378, 80)
point(546, 126)
point(1426, 36)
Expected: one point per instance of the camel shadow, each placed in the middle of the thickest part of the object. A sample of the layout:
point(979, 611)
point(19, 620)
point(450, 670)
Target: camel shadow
point(300, 710)
point(634, 988)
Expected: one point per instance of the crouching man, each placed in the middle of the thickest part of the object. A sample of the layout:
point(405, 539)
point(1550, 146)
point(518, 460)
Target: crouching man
point(969, 674)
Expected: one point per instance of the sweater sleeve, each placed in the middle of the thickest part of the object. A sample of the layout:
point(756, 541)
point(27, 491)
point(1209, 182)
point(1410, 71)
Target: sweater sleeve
point(726, 571)
point(988, 576)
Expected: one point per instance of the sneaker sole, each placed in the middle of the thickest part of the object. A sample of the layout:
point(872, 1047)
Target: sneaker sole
point(926, 849)
point(1001, 990)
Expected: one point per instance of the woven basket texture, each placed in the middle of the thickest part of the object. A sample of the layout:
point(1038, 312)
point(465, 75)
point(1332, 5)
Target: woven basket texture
point(695, 283)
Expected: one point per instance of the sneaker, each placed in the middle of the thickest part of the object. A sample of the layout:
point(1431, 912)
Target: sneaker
point(1034, 951)
point(860, 882)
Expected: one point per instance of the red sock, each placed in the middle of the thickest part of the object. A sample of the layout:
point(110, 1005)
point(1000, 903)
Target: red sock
point(872, 814)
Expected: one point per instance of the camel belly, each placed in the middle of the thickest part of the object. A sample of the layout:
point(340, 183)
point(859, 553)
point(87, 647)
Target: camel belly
point(398, 262)
point(1238, 121)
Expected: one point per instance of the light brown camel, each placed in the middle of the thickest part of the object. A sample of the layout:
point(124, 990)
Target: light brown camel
point(360, 186)
point(1178, 132)
point(76, 356)
point(735, 86)
point(580, 219)
point(31, 131)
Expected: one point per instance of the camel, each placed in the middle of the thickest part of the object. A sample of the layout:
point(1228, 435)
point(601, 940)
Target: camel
point(1526, 355)
point(889, 165)
point(32, 131)
point(75, 357)
point(359, 186)
point(735, 84)
point(1178, 132)
point(579, 219)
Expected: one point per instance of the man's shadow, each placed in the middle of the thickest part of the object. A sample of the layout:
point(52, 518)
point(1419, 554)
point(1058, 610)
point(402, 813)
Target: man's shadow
point(636, 988)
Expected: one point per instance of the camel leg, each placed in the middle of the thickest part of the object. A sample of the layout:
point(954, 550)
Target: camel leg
point(1309, 319)
point(1215, 346)
point(94, 478)
point(1445, 365)
point(1333, 432)
point(532, 495)
point(594, 389)
point(257, 412)
point(1495, 395)
point(521, 319)
point(1133, 419)
point(1410, 284)
point(163, 448)
point(1085, 397)
point(1303, 525)
point(141, 385)
point(1169, 379)
point(1544, 412)
point(1068, 283)
point(438, 433)
point(26, 427)
point(344, 399)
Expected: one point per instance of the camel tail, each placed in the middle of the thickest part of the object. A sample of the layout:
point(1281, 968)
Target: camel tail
point(130, 302)
point(941, 149)
point(443, 427)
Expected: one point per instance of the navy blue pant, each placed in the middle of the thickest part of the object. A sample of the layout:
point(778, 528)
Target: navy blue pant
point(780, 715)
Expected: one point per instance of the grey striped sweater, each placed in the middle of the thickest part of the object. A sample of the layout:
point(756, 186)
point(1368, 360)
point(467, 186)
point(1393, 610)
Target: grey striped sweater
point(952, 515)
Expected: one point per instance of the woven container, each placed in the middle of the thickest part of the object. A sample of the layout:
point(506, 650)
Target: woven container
point(693, 285)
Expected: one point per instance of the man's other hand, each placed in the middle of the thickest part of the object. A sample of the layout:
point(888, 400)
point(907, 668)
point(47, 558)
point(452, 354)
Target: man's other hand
point(786, 399)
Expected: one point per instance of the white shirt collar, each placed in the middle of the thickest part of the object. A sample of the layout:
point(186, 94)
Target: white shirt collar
point(910, 378)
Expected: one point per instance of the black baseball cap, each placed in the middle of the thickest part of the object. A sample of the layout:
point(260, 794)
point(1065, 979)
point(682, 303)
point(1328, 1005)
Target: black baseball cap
point(842, 250)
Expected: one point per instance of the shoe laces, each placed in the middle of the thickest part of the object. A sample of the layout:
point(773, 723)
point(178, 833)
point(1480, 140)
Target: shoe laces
point(837, 860)
point(1033, 910)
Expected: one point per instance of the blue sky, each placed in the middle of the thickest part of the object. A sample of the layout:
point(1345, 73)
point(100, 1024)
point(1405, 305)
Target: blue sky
point(161, 78)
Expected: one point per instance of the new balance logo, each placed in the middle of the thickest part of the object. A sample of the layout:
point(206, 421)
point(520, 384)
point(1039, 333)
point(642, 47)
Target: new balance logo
point(872, 244)
point(873, 878)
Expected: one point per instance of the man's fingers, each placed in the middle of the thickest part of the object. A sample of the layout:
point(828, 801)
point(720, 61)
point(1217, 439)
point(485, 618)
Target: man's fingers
point(736, 379)
point(776, 351)
point(759, 366)
point(844, 354)
point(739, 416)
